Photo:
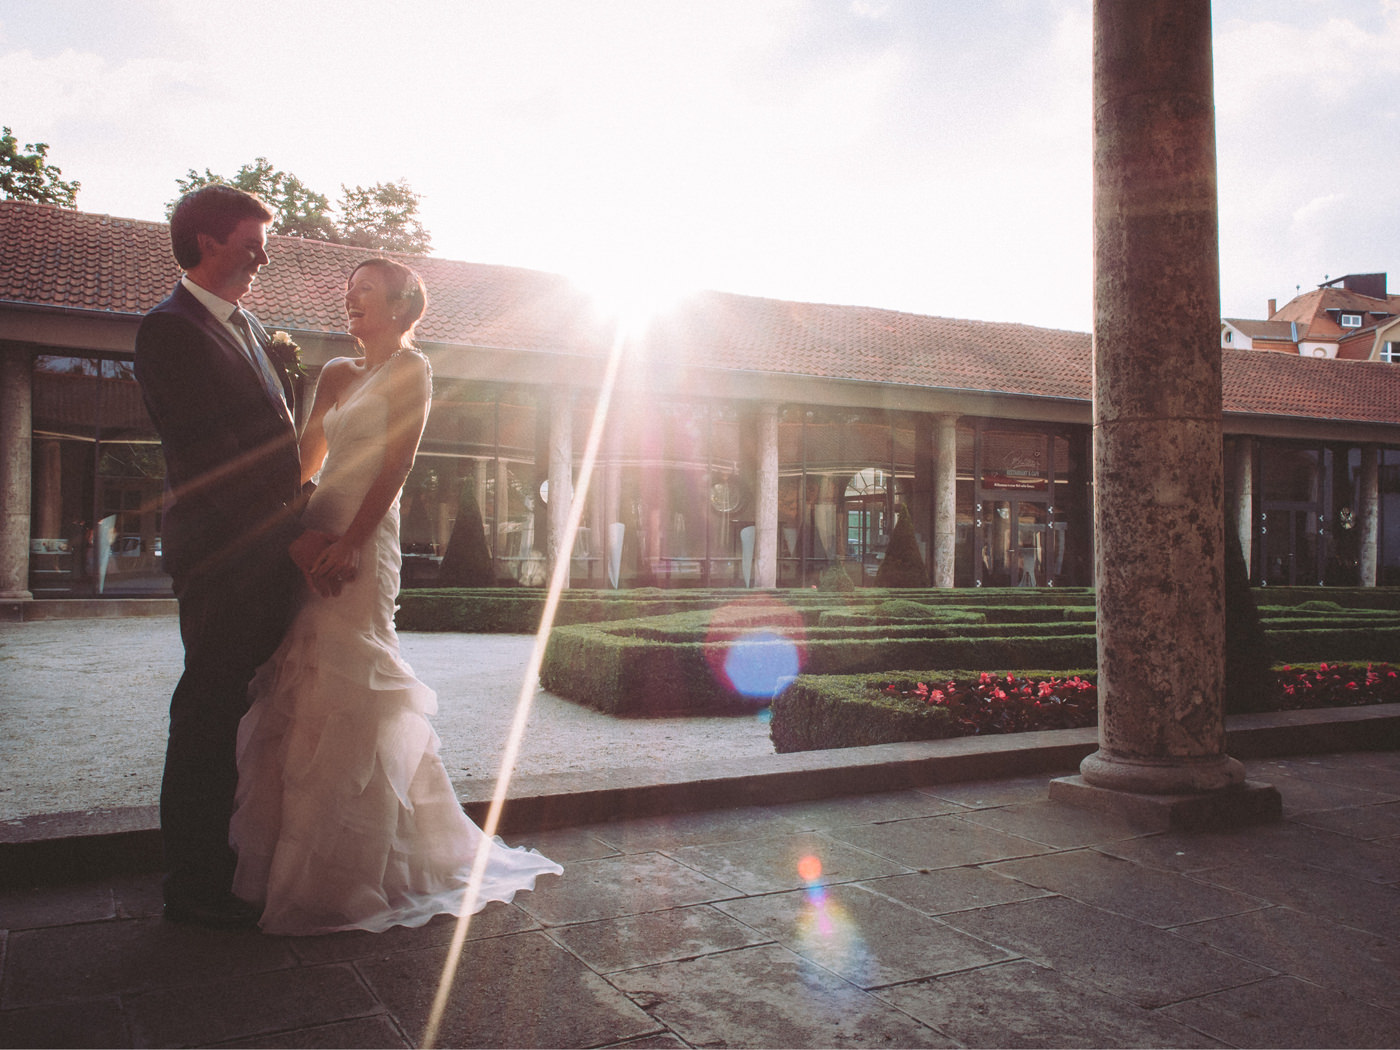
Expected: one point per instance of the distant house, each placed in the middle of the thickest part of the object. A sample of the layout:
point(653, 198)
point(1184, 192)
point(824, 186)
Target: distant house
point(751, 442)
point(1351, 318)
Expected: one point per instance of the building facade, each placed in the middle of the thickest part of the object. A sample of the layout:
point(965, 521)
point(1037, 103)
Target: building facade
point(749, 442)
point(1351, 318)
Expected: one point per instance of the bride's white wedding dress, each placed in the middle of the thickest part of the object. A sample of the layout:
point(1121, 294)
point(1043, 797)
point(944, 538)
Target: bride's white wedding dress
point(345, 817)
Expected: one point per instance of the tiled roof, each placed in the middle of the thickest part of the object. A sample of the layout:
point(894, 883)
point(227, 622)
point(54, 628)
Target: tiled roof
point(1272, 331)
point(1281, 385)
point(65, 259)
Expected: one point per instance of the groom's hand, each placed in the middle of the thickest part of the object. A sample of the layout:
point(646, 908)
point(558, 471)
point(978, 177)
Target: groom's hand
point(305, 549)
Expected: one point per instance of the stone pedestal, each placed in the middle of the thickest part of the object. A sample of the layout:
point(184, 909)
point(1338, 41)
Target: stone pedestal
point(1238, 805)
point(1158, 466)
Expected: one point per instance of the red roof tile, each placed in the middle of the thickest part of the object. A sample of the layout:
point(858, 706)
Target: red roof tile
point(58, 258)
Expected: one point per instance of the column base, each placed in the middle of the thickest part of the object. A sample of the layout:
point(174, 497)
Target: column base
point(1240, 804)
point(1178, 775)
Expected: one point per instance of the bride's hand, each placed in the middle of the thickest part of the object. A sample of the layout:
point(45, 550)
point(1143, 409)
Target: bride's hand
point(339, 563)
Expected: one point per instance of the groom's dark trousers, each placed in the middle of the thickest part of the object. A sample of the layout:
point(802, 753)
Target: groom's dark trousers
point(232, 497)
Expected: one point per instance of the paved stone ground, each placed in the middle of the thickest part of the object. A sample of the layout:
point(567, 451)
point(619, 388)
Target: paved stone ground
point(976, 914)
point(85, 701)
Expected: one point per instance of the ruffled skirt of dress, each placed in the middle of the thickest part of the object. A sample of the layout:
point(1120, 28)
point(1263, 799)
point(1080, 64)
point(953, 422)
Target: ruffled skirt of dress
point(346, 818)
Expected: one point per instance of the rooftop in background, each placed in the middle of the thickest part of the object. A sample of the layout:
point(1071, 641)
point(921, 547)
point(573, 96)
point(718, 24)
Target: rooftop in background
point(75, 262)
point(1350, 318)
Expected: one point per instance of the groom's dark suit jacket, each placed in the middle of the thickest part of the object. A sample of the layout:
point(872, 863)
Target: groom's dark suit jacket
point(232, 471)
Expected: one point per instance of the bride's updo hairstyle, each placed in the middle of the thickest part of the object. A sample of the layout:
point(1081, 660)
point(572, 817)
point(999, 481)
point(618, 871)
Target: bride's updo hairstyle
point(404, 288)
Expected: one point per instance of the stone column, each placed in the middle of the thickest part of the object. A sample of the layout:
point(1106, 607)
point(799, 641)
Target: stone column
point(765, 567)
point(561, 475)
point(16, 435)
point(945, 500)
point(1244, 496)
point(1158, 468)
point(1368, 543)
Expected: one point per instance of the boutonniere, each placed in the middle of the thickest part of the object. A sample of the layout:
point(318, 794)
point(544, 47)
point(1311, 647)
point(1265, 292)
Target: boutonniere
point(286, 354)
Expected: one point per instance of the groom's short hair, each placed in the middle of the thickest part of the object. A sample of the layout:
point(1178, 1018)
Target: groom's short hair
point(214, 209)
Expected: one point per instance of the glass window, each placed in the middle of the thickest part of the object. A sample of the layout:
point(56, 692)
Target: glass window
point(97, 482)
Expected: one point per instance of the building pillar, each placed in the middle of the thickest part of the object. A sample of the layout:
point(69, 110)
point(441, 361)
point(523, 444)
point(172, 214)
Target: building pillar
point(945, 500)
point(765, 560)
point(1368, 546)
point(1244, 498)
point(561, 476)
point(1158, 466)
point(16, 435)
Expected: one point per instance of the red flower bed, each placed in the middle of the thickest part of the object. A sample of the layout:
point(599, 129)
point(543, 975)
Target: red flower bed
point(1335, 685)
point(1007, 704)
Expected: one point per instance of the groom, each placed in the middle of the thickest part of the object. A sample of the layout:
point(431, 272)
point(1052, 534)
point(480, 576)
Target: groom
point(230, 536)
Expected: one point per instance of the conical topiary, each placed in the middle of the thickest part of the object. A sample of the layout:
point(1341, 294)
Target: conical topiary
point(903, 565)
point(1249, 676)
point(467, 561)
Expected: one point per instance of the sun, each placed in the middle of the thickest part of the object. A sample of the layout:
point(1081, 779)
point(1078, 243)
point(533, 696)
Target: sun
point(631, 292)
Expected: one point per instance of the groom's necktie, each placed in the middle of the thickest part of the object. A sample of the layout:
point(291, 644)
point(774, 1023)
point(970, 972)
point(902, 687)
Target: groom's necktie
point(258, 357)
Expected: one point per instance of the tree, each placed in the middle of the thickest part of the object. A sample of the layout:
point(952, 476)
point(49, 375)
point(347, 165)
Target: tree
point(903, 565)
point(467, 560)
point(28, 176)
point(384, 216)
point(300, 210)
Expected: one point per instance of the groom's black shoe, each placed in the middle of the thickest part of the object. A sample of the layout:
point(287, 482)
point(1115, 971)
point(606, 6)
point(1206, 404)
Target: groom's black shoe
point(224, 913)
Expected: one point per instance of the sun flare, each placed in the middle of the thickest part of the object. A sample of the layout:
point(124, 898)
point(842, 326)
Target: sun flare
point(631, 294)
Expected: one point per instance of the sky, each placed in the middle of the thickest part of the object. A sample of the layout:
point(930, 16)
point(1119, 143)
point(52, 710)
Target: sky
point(931, 156)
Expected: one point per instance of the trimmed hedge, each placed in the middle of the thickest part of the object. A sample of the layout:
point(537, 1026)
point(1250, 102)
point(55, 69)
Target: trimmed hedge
point(497, 610)
point(676, 664)
point(831, 711)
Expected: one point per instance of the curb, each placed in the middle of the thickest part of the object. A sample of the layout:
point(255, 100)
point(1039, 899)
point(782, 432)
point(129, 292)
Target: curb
point(56, 848)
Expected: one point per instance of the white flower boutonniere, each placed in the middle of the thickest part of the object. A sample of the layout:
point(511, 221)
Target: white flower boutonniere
point(286, 354)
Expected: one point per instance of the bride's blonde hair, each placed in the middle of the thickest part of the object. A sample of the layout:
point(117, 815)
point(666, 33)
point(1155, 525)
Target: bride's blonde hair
point(404, 286)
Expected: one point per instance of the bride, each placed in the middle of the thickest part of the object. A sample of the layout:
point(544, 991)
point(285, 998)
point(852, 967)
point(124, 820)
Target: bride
point(345, 817)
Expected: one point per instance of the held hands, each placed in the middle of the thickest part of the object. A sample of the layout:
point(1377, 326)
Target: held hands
point(306, 551)
point(336, 565)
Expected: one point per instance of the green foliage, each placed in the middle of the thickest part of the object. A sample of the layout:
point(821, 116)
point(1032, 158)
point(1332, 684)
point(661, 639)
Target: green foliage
point(1247, 663)
point(383, 217)
point(903, 565)
point(837, 579)
point(899, 611)
point(300, 210)
point(841, 711)
point(28, 176)
point(467, 560)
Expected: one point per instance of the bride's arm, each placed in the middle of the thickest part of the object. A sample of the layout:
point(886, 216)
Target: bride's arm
point(409, 389)
point(312, 443)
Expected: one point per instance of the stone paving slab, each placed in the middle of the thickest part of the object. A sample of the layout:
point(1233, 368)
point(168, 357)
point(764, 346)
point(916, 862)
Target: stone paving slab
point(1285, 1011)
point(1020, 1004)
point(868, 939)
point(1275, 936)
point(1112, 884)
point(769, 996)
point(1113, 953)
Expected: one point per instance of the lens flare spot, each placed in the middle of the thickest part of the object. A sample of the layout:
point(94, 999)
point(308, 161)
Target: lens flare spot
point(809, 868)
point(761, 663)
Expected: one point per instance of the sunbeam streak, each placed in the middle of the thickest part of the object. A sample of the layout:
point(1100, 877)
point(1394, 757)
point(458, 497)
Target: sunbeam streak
point(523, 704)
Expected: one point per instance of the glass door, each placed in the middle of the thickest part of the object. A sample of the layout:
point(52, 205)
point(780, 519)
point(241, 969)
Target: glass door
point(1020, 547)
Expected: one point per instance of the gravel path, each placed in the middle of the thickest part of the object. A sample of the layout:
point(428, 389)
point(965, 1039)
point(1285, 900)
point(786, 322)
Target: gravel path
point(83, 708)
